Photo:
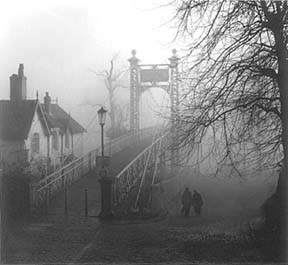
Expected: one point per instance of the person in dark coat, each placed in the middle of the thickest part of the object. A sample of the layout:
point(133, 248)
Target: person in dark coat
point(197, 203)
point(186, 201)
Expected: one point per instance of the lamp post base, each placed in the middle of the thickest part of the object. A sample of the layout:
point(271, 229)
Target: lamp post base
point(106, 196)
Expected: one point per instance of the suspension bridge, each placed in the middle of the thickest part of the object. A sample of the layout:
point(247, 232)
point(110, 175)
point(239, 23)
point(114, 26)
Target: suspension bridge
point(132, 179)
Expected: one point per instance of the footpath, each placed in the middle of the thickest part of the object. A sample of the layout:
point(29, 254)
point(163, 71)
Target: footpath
point(75, 240)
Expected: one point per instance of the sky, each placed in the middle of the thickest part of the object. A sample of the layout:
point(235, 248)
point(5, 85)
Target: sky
point(61, 43)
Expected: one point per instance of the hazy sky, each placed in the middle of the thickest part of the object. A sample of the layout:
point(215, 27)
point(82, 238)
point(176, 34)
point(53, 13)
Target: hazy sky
point(59, 43)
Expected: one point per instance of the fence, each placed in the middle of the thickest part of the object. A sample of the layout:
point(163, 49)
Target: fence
point(135, 171)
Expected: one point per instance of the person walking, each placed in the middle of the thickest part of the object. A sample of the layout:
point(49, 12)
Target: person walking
point(186, 202)
point(197, 202)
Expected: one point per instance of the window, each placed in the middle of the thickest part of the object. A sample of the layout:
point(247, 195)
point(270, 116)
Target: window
point(55, 141)
point(35, 143)
point(67, 140)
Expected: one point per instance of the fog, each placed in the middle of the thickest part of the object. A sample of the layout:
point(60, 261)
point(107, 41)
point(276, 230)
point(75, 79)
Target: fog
point(62, 44)
point(66, 46)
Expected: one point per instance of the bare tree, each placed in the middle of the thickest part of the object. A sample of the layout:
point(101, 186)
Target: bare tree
point(239, 77)
point(113, 80)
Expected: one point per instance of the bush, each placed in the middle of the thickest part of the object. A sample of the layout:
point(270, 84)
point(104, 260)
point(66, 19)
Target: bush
point(16, 193)
point(269, 237)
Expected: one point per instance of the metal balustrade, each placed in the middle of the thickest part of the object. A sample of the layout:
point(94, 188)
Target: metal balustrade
point(136, 171)
point(42, 191)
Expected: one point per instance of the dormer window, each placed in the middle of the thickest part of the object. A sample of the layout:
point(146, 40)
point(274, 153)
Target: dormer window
point(67, 139)
point(35, 143)
point(55, 141)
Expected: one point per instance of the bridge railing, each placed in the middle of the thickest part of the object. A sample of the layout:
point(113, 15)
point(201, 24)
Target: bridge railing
point(42, 191)
point(135, 171)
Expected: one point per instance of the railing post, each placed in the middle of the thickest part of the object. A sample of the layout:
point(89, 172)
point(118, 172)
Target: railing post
point(65, 201)
point(114, 193)
point(86, 202)
point(63, 178)
point(32, 197)
point(49, 194)
point(73, 171)
point(46, 200)
point(90, 162)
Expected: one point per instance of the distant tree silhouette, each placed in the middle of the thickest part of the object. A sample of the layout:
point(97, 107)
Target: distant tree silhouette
point(114, 80)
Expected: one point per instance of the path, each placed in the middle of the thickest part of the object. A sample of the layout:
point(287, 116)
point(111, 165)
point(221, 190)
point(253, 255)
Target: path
point(175, 239)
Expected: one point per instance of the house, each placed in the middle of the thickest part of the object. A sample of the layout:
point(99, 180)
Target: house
point(42, 134)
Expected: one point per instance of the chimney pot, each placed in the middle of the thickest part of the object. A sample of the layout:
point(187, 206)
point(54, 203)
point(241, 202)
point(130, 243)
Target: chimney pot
point(21, 69)
point(47, 103)
point(18, 90)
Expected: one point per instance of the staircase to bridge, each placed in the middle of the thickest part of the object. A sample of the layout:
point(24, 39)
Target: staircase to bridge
point(135, 165)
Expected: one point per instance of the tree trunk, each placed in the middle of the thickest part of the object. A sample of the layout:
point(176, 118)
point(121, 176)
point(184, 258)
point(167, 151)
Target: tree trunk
point(283, 176)
point(112, 118)
point(111, 93)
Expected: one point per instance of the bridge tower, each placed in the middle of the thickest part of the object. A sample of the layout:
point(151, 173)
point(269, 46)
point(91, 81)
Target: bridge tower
point(174, 97)
point(165, 76)
point(134, 93)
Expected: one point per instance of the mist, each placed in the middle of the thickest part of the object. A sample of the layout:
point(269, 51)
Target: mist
point(65, 45)
point(62, 44)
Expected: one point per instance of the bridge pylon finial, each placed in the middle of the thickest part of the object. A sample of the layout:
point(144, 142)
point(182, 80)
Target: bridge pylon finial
point(174, 59)
point(133, 60)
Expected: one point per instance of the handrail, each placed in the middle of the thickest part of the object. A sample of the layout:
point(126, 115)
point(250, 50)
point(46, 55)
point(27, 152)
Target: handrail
point(78, 159)
point(59, 171)
point(62, 168)
point(156, 164)
point(56, 179)
point(138, 156)
point(136, 170)
point(144, 172)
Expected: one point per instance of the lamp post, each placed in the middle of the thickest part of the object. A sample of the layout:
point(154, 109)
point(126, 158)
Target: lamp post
point(105, 180)
point(102, 118)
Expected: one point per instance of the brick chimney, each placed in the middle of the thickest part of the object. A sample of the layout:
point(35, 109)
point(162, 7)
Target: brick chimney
point(18, 90)
point(47, 103)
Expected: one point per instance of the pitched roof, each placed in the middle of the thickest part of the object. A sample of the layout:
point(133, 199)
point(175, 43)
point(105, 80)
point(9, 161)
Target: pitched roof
point(16, 118)
point(58, 118)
